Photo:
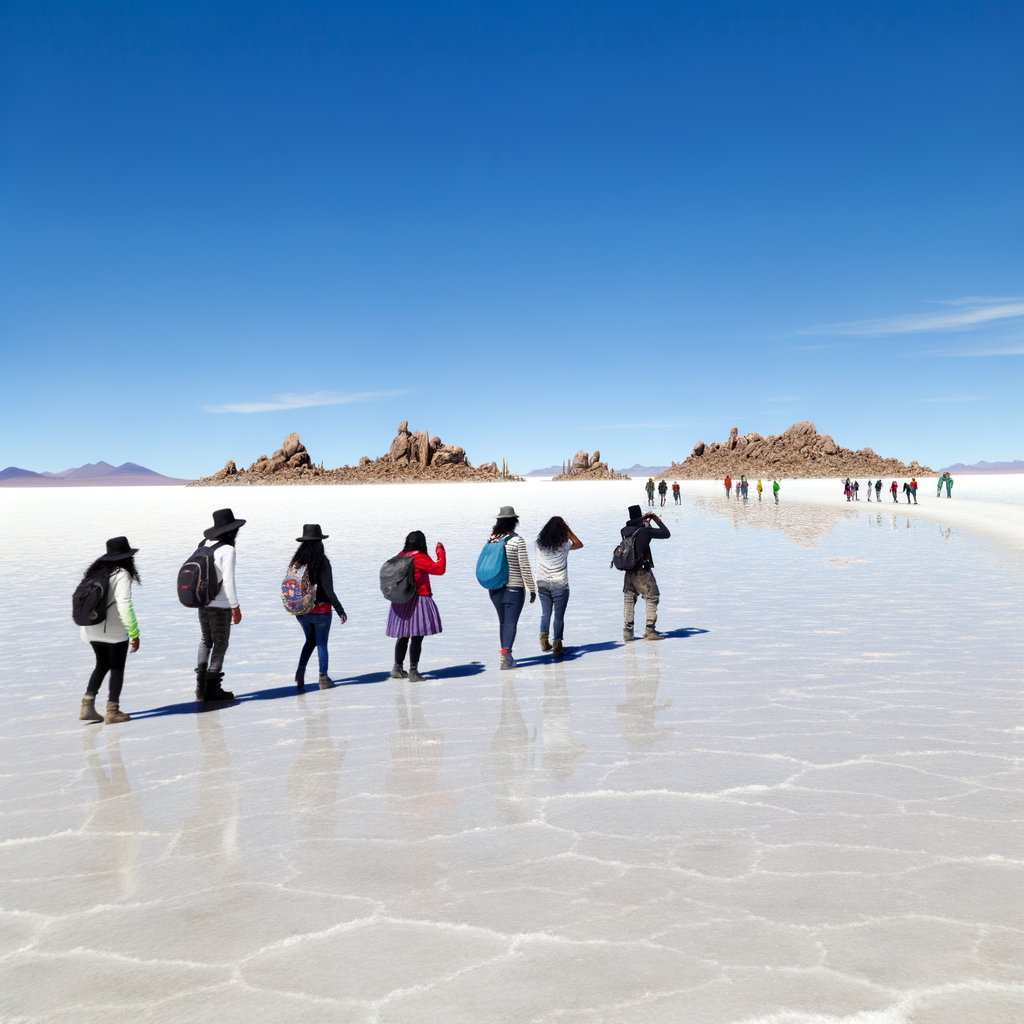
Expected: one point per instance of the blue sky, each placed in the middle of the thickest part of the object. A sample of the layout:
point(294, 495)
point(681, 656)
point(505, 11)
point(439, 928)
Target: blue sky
point(529, 228)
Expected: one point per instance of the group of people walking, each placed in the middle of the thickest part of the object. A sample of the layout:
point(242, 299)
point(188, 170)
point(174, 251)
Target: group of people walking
point(102, 602)
point(852, 489)
point(742, 488)
point(662, 492)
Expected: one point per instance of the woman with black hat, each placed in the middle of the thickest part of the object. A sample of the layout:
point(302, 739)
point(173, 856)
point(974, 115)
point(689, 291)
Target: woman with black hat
point(111, 638)
point(216, 618)
point(316, 623)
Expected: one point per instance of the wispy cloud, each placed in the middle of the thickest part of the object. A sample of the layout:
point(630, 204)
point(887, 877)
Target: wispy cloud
point(953, 398)
point(1001, 347)
point(292, 401)
point(966, 315)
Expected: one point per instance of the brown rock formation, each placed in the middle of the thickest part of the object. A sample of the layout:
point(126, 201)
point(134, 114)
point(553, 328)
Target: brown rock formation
point(412, 457)
point(800, 452)
point(588, 467)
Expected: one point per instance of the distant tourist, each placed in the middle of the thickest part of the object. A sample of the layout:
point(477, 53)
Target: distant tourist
point(847, 489)
point(311, 565)
point(869, 486)
point(638, 578)
point(745, 484)
point(728, 486)
point(662, 492)
point(894, 490)
point(216, 618)
point(913, 489)
point(104, 600)
point(554, 543)
point(878, 489)
point(949, 486)
point(775, 490)
point(508, 598)
point(419, 617)
point(856, 490)
point(676, 500)
point(759, 489)
point(906, 490)
point(650, 491)
point(942, 480)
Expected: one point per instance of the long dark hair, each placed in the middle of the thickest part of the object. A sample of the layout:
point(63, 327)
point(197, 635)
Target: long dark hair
point(104, 566)
point(310, 553)
point(506, 525)
point(415, 541)
point(554, 535)
point(228, 538)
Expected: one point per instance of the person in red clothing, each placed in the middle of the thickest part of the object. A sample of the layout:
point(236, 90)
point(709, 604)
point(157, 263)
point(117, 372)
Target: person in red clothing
point(728, 486)
point(894, 491)
point(419, 617)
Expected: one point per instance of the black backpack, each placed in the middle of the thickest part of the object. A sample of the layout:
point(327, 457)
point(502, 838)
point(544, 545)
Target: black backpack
point(89, 601)
point(197, 578)
point(398, 579)
point(624, 555)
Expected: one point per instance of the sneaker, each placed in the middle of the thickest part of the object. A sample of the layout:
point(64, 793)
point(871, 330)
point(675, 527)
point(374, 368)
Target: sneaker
point(507, 661)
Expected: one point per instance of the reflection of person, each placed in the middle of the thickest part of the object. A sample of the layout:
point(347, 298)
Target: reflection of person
point(111, 638)
point(209, 833)
point(216, 619)
point(316, 623)
point(637, 716)
point(639, 581)
point(313, 779)
point(554, 542)
point(506, 766)
point(562, 750)
point(418, 617)
point(114, 824)
point(417, 752)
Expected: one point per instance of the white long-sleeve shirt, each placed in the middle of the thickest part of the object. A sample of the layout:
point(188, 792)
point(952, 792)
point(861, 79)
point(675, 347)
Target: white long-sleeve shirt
point(120, 623)
point(519, 574)
point(224, 565)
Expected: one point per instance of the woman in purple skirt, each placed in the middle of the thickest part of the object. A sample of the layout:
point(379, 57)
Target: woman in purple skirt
point(419, 617)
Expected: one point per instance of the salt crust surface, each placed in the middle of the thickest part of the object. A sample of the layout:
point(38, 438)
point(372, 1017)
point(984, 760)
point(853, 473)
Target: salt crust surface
point(802, 807)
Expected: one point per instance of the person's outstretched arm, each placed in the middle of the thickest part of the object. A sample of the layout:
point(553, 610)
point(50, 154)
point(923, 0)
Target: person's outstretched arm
point(428, 565)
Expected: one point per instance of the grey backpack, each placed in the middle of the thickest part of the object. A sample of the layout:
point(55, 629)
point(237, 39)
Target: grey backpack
point(398, 579)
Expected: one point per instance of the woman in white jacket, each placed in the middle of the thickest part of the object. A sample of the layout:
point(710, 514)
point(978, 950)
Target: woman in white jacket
point(119, 630)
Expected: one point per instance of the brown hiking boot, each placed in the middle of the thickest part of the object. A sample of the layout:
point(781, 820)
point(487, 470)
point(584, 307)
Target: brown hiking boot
point(544, 645)
point(115, 714)
point(557, 648)
point(88, 712)
point(325, 683)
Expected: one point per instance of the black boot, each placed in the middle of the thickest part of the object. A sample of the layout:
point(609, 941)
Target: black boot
point(300, 679)
point(214, 691)
point(200, 685)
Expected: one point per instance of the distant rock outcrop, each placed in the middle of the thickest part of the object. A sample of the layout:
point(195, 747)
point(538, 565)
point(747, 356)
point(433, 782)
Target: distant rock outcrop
point(412, 457)
point(588, 467)
point(800, 452)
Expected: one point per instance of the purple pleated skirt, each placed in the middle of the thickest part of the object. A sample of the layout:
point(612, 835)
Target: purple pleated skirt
point(418, 617)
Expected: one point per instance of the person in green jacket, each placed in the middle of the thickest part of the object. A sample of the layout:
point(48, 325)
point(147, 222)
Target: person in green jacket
point(942, 480)
point(949, 486)
point(775, 490)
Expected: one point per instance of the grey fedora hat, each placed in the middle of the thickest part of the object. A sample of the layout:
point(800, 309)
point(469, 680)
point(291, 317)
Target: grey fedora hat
point(507, 512)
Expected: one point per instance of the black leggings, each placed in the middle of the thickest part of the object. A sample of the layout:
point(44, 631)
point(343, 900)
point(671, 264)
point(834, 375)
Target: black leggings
point(109, 658)
point(414, 652)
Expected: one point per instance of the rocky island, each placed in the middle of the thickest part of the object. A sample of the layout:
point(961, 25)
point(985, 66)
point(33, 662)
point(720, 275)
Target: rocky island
point(588, 467)
point(800, 452)
point(413, 457)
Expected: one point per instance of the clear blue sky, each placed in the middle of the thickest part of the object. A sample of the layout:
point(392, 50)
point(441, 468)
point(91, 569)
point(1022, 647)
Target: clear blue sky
point(530, 228)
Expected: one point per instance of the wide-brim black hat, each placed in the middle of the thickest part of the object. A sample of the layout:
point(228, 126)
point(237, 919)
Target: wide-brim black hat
point(312, 531)
point(118, 548)
point(635, 512)
point(224, 521)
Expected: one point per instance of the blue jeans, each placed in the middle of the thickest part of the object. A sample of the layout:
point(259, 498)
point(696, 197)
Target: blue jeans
point(317, 627)
point(508, 602)
point(553, 600)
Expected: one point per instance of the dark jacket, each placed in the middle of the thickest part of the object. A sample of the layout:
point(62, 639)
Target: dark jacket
point(644, 536)
point(325, 588)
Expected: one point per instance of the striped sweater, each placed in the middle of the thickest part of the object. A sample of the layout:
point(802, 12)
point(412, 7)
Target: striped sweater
point(519, 572)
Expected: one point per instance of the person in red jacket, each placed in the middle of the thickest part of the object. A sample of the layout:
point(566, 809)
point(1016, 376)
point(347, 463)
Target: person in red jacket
point(728, 486)
point(419, 617)
point(894, 491)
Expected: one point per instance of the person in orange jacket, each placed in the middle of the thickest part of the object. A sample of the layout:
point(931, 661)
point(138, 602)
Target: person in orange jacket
point(728, 486)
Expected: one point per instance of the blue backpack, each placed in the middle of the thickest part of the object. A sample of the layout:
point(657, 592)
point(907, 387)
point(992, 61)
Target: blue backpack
point(492, 565)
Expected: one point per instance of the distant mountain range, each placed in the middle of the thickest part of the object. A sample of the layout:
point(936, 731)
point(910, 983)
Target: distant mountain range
point(93, 474)
point(986, 467)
